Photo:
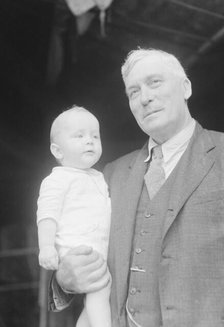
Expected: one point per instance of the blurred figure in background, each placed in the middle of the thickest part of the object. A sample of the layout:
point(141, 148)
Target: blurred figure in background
point(71, 19)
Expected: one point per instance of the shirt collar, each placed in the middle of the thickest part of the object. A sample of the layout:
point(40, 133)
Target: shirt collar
point(173, 145)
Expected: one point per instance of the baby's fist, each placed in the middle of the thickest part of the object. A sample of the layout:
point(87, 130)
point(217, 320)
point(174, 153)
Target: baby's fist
point(48, 258)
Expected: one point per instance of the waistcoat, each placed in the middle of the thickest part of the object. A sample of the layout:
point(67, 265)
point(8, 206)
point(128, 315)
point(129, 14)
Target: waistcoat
point(143, 302)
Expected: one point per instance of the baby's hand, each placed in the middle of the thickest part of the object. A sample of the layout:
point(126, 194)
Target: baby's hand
point(48, 258)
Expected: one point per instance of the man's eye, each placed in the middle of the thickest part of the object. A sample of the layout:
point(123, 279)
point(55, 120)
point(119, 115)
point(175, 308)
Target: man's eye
point(133, 93)
point(156, 82)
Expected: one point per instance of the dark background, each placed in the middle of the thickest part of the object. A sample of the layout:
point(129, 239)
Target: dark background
point(46, 66)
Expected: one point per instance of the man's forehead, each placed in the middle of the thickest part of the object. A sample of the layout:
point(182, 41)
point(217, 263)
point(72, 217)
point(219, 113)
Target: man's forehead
point(145, 69)
point(151, 64)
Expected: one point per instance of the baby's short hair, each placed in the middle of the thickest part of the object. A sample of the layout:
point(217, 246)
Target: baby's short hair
point(55, 124)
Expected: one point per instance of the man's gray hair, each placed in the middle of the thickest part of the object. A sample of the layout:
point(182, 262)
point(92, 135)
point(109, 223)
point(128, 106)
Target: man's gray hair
point(136, 55)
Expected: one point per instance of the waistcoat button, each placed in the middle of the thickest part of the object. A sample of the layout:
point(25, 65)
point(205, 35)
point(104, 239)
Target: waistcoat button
point(147, 214)
point(132, 311)
point(133, 290)
point(138, 250)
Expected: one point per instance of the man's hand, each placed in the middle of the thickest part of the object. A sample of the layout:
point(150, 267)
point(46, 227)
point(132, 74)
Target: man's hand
point(83, 270)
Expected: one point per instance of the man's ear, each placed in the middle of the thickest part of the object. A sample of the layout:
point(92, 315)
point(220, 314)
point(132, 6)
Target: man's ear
point(56, 151)
point(187, 88)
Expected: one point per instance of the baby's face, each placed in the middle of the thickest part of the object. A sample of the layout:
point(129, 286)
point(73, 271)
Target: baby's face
point(79, 140)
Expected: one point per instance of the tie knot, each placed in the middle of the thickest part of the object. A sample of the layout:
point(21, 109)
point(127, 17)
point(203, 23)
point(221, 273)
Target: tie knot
point(157, 152)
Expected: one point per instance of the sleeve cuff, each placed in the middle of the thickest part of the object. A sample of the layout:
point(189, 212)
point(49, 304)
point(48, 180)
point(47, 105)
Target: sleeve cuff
point(59, 299)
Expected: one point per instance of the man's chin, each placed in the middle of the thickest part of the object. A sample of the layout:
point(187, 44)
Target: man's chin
point(153, 131)
point(150, 126)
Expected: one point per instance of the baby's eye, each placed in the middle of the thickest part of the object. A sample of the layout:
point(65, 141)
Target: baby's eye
point(78, 136)
point(96, 136)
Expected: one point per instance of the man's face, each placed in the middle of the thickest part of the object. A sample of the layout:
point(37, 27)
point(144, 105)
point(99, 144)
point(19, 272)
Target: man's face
point(79, 140)
point(157, 98)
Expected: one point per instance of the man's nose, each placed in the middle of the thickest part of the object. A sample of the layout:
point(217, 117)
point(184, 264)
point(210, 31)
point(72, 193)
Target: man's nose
point(146, 95)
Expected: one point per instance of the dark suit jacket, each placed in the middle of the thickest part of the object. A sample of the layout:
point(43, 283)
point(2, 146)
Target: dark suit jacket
point(191, 271)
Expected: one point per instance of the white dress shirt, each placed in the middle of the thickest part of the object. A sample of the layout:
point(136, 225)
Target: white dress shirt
point(174, 148)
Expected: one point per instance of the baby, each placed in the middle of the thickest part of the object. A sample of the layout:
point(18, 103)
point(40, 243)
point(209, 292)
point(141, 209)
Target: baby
point(74, 205)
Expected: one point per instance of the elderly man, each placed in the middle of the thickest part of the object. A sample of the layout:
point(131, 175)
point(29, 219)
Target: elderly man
point(166, 255)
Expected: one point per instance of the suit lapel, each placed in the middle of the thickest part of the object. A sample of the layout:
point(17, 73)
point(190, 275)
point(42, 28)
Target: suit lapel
point(192, 168)
point(125, 218)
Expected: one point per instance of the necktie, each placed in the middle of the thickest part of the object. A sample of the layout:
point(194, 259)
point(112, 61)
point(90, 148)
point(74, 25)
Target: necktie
point(155, 175)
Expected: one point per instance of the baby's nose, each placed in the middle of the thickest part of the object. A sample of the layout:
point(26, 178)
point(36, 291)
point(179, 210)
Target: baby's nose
point(89, 140)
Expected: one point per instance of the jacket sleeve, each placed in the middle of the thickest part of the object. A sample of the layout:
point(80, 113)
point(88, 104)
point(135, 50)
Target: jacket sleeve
point(59, 300)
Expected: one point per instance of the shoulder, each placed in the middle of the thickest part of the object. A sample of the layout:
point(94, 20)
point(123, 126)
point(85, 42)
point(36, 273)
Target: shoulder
point(208, 139)
point(217, 137)
point(211, 143)
point(124, 160)
point(94, 172)
point(58, 174)
point(218, 141)
point(59, 178)
point(120, 165)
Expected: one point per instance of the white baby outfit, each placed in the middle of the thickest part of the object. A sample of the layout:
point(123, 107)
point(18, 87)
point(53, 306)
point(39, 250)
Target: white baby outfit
point(79, 202)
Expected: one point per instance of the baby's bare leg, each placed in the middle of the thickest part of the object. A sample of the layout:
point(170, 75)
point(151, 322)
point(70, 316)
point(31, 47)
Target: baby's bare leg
point(83, 320)
point(98, 307)
point(96, 312)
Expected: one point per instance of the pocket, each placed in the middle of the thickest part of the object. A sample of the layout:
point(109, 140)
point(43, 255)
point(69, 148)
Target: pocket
point(209, 197)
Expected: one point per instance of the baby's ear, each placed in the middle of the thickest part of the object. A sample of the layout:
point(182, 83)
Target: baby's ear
point(56, 151)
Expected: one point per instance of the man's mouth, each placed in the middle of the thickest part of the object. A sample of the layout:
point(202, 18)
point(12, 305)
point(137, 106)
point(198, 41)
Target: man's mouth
point(150, 113)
